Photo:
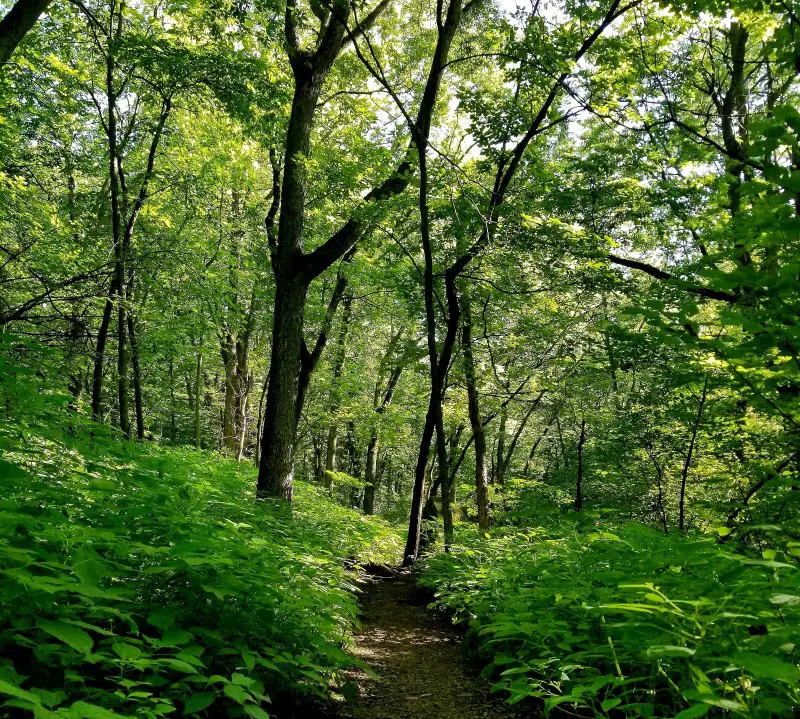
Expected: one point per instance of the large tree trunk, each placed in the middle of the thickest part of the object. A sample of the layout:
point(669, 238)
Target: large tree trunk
point(478, 433)
point(16, 24)
point(275, 471)
point(293, 269)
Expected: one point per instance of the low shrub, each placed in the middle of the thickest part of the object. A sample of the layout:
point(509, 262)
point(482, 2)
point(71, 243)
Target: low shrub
point(628, 623)
point(138, 581)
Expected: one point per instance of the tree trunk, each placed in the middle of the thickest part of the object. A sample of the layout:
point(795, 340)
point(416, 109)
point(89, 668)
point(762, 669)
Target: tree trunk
point(16, 24)
point(137, 377)
point(119, 249)
point(275, 471)
point(338, 366)
point(687, 463)
point(478, 432)
point(228, 352)
point(99, 354)
point(293, 269)
point(172, 424)
point(370, 472)
point(579, 480)
point(259, 423)
point(198, 383)
point(242, 431)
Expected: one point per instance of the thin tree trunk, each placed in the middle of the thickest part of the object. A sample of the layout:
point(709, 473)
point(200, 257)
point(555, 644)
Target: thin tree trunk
point(478, 432)
point(242, 430)
point(338, 366)
point(198, 383)
point(118, 240)
point(579, 480)
point(687, 463)
point(172, 425)
point(370, 471)
point(100, 352)
point(506, 459)
point(260, 420)
point(228, 352)
point(501, 448)
point(137, 377)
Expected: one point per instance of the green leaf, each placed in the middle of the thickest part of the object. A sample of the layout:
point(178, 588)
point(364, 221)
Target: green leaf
point(89, 567)
point(255, 711)
point(698, 710)
point(197, 702)
point(235, 692)
point(84, 710)
point(610, 703)
point(126, 651)
point(15, 691)
point(71, 635)
point(766, 667)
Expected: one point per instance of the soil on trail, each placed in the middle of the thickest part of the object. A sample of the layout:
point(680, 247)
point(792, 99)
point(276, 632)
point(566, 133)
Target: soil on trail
point(417, 657)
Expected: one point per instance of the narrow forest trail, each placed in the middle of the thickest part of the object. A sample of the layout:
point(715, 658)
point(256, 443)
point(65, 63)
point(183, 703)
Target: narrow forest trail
point(417, 657)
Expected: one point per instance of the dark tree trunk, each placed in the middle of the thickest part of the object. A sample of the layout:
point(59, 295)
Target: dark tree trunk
point(293, 269)
point(16, 24)
point(198, 391)
point(137, 377)
point(498, 477)
point(282, 413)
point(275, 471)
point(478, 433)
point(579, 480)
point(172, 423)
point(228, 352)
point(100, 353)
point(119, 249)
point(688, 462)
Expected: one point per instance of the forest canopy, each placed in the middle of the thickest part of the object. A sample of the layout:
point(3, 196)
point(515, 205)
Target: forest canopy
point(514, 285)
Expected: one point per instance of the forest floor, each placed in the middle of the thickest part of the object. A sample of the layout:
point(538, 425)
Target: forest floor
point(416, 655)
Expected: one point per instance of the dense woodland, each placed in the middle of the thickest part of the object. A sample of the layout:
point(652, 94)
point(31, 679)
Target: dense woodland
point(509, 292)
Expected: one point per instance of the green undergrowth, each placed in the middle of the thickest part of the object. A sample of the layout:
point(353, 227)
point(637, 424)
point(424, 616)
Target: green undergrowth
point(142, 581)
point(627, 622)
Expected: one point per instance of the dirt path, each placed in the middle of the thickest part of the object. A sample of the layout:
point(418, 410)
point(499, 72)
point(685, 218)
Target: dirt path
point(417, 656)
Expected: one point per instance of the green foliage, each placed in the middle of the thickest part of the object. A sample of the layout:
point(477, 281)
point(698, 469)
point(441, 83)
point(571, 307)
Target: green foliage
point(628, 621)
point(141, 581)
